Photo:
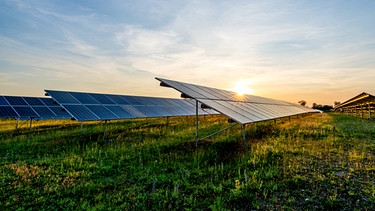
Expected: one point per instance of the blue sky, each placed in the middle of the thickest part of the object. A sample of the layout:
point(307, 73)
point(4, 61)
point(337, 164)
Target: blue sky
point(319, 51)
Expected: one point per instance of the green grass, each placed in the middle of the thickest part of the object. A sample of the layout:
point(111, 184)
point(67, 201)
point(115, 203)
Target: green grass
point(318, 162)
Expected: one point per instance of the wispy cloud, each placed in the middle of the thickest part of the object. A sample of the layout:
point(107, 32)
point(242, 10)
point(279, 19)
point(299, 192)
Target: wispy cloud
point(277, 47)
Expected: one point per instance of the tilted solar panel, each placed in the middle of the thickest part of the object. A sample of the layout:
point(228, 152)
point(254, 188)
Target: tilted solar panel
point(13, 100)
point(7, 112)
point(94, 106)
point(30, 108)
point(244, 109)
point(3, 101)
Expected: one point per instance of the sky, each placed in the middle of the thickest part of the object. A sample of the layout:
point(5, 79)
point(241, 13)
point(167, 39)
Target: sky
point(319, 51)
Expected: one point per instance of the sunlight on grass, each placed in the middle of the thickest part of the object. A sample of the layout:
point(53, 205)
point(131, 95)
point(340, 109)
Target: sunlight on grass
point(321, 161)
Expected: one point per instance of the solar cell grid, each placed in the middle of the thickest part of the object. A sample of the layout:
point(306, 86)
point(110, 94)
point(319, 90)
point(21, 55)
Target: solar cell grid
point(133, 100)
point(59, 112)
point(102, 112)
point(218, 95)
point(118, 99)
point(84, 98)
point(3, 101)
point(247, 110)
point(44, 112)
point(63, 97)
point(133, 111)
point(13, 100)
point(150, 111)
point(80, 112)
point(25, 112)
point(103, 99)
point(7, 111)
point(266, 109)
point(48, 101)
point(33, 101)
point(120, 112)
point(228, 112)
point(187, 90)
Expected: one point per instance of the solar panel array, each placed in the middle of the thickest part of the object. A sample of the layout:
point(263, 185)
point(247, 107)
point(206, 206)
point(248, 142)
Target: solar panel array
point(243, 109)
point(30, 108)
point(93, 106)
point(364, 99)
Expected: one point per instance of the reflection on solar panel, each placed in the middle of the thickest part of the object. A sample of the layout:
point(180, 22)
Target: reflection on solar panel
point(30, 108)
point(93, 106)
point(243, 109)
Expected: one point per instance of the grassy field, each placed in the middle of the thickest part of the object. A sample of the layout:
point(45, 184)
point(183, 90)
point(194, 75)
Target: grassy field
point(318, 162)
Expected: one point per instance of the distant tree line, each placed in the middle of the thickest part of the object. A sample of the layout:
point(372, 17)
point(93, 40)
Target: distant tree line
point(318, 106)
point(322, 107)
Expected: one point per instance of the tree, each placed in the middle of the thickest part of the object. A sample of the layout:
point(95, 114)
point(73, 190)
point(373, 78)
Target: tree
point(322, 107)
point(302, 102)
point(336, 103)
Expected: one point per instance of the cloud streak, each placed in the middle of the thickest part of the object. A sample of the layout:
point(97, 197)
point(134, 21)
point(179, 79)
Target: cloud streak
point(277, 47)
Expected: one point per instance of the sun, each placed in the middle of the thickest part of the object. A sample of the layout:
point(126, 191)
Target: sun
point(241, 89)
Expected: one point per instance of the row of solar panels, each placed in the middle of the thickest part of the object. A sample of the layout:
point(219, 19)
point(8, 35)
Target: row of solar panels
point(31, 108)
point(243, 109)
point(92, 106)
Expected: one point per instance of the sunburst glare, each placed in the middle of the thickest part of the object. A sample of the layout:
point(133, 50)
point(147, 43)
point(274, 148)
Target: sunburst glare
point(242, 88)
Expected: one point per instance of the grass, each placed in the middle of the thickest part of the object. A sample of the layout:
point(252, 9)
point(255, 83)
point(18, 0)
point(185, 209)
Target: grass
point(317, 162)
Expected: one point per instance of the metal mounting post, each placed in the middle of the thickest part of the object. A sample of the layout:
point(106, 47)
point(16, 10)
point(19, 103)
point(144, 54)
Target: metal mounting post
point(17, 122)
point(105, 129)
point(81, 129)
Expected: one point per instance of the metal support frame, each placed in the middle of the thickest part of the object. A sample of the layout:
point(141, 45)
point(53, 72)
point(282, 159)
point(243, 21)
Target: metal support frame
point(81, 130)
point(18, 126)
point(226, 128)
point(105, 129)
point(197, 139)
point(369, 111)
point(17, 122)
point(31, 123)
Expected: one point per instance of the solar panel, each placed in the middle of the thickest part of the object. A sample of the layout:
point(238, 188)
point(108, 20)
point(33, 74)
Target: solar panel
point(80, 112)
point(44, 112)
point(13, 100)
point(3, 101)
point(102, 99)
point(94, 106)
point(30, 108)
point(120, 112)
point(243, 109)
point(33, 101)
point(7, 112)
point(25, 112)
point(102, 112)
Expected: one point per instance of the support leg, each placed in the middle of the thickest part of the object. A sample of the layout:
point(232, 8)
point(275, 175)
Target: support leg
point(105, 130)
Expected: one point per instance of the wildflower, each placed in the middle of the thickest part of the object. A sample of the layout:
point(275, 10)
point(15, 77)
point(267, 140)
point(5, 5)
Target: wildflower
point(237, 184)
